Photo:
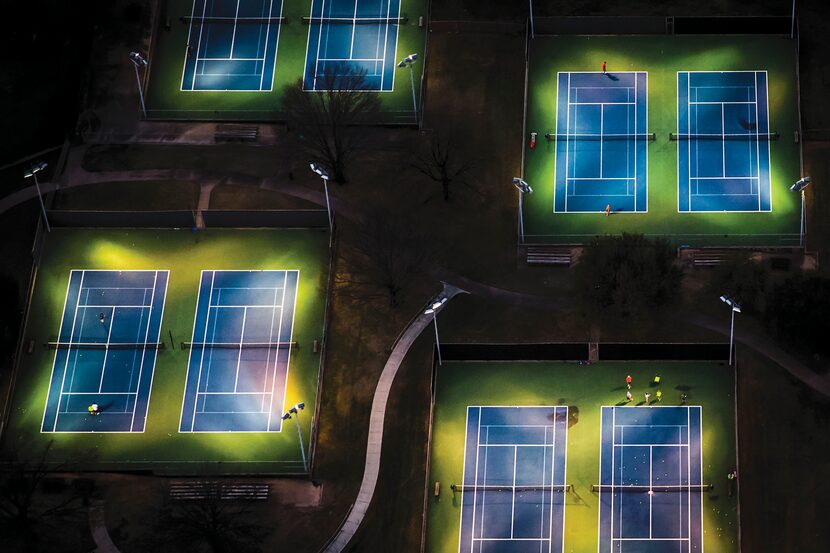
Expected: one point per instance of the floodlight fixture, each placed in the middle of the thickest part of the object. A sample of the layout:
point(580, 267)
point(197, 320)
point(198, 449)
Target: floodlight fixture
point(436, 305)
point(31, 173)
point(139, 61)
point(324, 175)
point(320, 170)
point(433, 310)
point(296, 412)
point(801, 184)
point(731, 303)
point(735, 309)
point(522, 186)
point(407, 62)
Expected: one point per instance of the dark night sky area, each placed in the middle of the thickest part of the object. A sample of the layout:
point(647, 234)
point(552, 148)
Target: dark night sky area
point(44, 51)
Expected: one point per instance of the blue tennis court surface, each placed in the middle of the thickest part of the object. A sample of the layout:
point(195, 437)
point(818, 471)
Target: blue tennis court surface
point(651, 447)
point(601, 142)
point(106, 351)
point(232, 45)
point(352, 37)
point(724, 161)
point(238, 363)
point(514, 480)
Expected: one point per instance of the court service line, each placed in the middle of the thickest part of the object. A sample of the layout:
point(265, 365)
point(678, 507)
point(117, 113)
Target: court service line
point(288, 358)
point(71, 334)
point(107, 349)
point(144, 349)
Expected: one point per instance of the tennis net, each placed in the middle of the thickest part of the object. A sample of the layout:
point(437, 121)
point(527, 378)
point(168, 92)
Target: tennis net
point(188, 19)
point(617, 488)
point(553, 137)
point(356, 20)
point(761, 137)
point(105, 345)
point(505, 488)
point(237, 345)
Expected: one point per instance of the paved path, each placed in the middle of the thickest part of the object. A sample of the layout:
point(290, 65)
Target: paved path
point(98, 528)
point(749, 333)
point(370, 471)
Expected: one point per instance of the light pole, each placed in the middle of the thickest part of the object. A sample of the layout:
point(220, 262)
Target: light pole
point(800, 186)
point(32, 171)
point(523, 189)
point(433, 310)
point(408, 61)
point(532, 30)
point(139, 60)
point(324, 175)
point(735, 309)
point(296, 412)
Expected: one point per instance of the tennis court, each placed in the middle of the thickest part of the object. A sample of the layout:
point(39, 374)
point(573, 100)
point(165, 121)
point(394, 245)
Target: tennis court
point(232, 45)
point(723, 141)
point(547, 465)
point(601, 142)
point(238, 364)
point(352, 37)
point(651, 480)
point(688, 138)
point(513, 495)
point(106, 351)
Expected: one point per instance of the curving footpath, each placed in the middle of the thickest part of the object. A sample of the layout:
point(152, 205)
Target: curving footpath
point(370, 471)
point(98, 529)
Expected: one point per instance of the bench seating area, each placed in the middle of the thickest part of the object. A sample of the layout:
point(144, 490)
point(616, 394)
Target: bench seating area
point(549, 255)
point(183, 490)
point(710, 258)
point(236, 133)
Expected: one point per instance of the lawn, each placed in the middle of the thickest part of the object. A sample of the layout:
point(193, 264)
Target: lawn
point(662, 58)
point(185, 254)
point(584, 389)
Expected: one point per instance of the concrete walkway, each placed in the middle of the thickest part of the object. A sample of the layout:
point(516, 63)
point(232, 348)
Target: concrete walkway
point(370, 471)
point(98, 528)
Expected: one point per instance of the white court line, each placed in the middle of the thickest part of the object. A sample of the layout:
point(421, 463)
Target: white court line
point(354, 30)
point(650, 485)
point(233, 34)
point(71, 334)
point(277, 355)
point(513, 499)
point(233, 59)
point(241, 342)
point(107, 349)
point(700, 446)
point(268, 361)
point(689, 475)
point(144, 350)
point(204, 339)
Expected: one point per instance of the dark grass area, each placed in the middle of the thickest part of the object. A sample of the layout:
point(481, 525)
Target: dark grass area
point(784, 447)
point(131, 196)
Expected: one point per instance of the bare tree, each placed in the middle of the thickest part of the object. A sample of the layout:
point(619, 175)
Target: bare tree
point(442, 162)
point(27, 516)
point(211, 523)
point(327, 119)
point(394, 247)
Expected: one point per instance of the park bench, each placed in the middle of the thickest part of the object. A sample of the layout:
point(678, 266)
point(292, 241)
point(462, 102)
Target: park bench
point(193, 490)
point(236, 133)
point(549, 255)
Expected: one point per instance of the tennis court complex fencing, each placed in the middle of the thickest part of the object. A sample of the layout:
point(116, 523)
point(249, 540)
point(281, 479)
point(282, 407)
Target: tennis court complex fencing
point(658, 25)
point(580, 352)
point(213, 218)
